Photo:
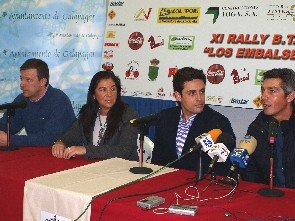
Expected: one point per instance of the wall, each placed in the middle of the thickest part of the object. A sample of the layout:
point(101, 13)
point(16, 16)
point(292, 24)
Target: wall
point(240, 118)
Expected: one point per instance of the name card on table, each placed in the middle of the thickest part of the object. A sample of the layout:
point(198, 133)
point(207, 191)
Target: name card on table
point(45, 216)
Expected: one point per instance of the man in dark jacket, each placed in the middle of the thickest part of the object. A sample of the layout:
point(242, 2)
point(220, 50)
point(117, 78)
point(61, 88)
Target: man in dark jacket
point(178, 127)
point(277, 96)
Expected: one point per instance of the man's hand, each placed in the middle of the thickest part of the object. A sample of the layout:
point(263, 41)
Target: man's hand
point(3, 139)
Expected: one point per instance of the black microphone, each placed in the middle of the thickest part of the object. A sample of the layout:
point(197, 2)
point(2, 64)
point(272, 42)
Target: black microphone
point(227, 139)
point(145, 119)
point(273, 128)
point(14, 105)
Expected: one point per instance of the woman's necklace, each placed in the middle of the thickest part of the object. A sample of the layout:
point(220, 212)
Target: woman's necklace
point(102, 129)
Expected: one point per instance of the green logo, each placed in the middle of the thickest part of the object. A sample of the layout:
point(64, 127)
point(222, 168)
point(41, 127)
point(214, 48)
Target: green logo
point(213, 11)
point(258, 76)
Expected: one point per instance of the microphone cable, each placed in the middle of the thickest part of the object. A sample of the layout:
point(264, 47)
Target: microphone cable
point(140, 194)
point(170, 188)
point(135, 181)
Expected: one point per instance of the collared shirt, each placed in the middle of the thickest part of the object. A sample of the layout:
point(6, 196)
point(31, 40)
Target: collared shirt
point(41, 96)
point(279, 169)
point(182, 131)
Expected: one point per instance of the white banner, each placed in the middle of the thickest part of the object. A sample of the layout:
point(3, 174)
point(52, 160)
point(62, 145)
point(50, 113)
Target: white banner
point(234, 42)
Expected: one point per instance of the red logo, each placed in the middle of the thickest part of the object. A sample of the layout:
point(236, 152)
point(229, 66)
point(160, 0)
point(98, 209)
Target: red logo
point(236, 76)
point(172, 71)
point(153, 43)
point(132, 72)
point(135, 40)
point(215, 73)
point(107, 66)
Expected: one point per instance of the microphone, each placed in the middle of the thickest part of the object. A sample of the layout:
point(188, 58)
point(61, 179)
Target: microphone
point(145, 120)
point(206, 140)
point(239, 157)
point(14, 105)
point(273, 128)
point(219, 152)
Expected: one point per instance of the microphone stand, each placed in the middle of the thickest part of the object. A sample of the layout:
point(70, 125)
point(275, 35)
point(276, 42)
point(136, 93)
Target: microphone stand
point(9, 112)
point(141, 169)
point(270, 191)
point(200, 171)
point(231, 178)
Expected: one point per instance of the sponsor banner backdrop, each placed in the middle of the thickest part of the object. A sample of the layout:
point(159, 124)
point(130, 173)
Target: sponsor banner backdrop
point(67, 35)
point(234, 42)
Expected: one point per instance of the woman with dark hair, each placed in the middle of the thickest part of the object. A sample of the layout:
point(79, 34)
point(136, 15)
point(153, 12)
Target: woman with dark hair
point(102, 129)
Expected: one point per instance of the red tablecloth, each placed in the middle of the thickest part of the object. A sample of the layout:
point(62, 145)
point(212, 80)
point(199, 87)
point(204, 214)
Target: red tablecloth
point(23, 164)
point(245, 204)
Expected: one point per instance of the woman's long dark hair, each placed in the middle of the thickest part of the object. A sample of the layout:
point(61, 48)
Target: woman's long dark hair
point(88, 112)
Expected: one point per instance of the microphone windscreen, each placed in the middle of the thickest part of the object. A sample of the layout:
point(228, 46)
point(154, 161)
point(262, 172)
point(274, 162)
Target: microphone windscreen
point(214, 133)
point(22, 104)
point(240, 157)
point(227, 139)
point(220, 150)
point(14, 105)
point(249, 143)
point(273, 127)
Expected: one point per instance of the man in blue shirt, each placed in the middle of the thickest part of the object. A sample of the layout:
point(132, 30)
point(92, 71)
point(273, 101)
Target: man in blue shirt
point(48, 113)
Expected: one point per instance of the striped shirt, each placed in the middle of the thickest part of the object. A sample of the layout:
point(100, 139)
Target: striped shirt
point(182, 131)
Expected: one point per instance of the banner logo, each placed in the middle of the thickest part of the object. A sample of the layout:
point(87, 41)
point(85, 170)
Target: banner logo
point(257, 102)
point(153, 43)
point(142, 15)
point(112, 14)
point(179, 42)
point(110, 34)
point(259, 76)
point(117, 3)
point(213, 11)
point(238, 101)
point(132, 72)
point(237, 78)
point(172, 71)
point(153, 69)
point(179, 15)
point(214, 99)
point(160, 92)
point(135, 40)
point(107, 54)
point(107, 66)
point(215, 74)
point(281, 12)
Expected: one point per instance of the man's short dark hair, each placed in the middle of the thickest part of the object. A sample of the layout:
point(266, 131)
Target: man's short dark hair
point(186, 74)
point(39, 65)
point(286, 75)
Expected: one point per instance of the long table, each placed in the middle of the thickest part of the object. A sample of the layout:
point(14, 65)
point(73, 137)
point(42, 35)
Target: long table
point(23, 164)
point(242, 204)
point(214, 201)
